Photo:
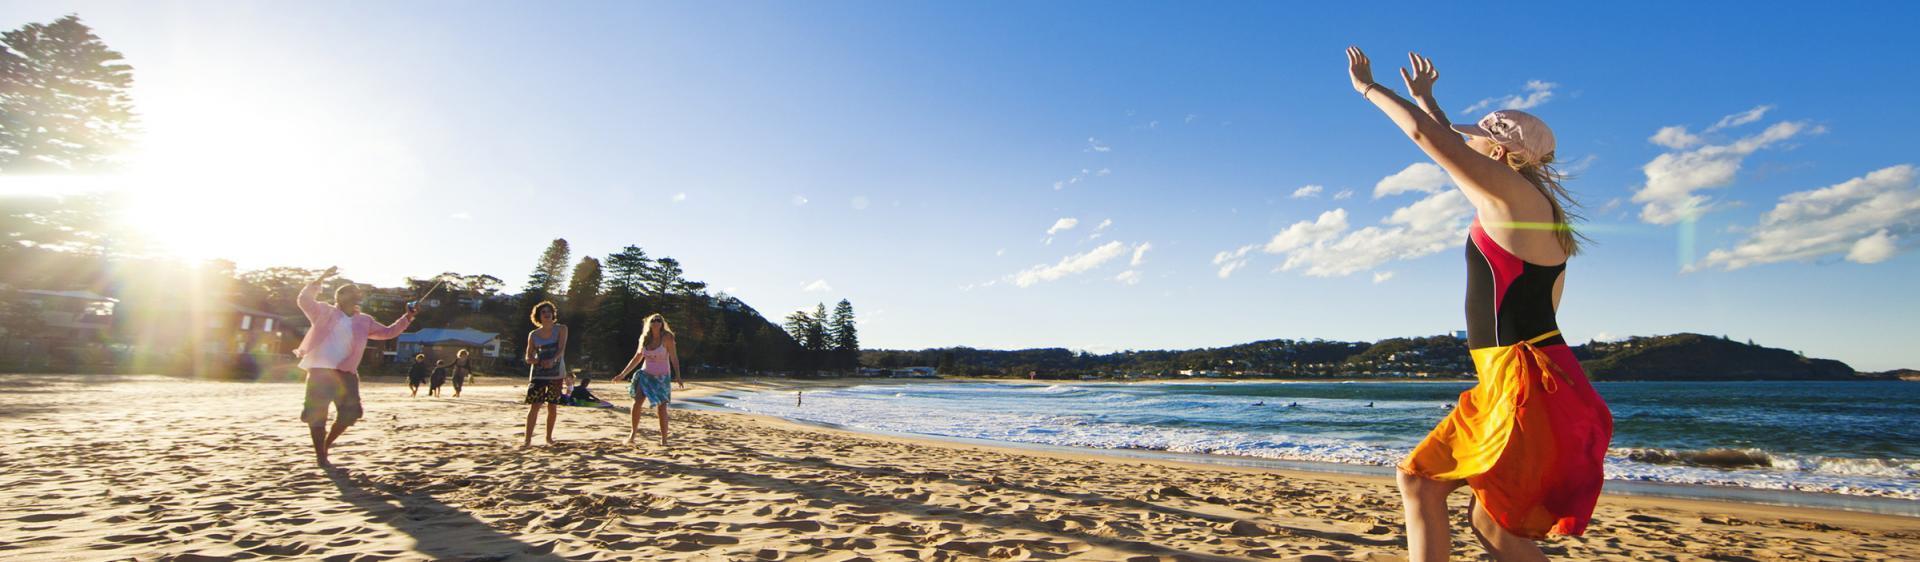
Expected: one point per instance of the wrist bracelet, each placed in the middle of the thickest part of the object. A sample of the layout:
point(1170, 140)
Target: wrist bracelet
point(1369, 90)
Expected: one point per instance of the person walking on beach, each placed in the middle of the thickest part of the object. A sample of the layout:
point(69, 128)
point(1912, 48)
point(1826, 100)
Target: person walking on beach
point(658, 359)
point(330, 353)
point(462, 370)
point(1529, 439)
point(546, 376)
point(417, 373)
point(439, 377)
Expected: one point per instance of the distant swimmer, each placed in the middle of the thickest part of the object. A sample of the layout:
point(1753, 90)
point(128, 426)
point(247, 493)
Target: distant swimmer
point(1293, 405)
point(1369, 404)
point(1260, 403)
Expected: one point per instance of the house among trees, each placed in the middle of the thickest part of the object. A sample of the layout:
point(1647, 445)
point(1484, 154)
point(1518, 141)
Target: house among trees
point(444, 343)
point(56, 322)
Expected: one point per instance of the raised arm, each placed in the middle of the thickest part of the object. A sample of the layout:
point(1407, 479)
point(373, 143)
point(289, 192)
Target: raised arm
point(393, 330)
point(1488, 184)
point(1420, 86)
point(309, 298)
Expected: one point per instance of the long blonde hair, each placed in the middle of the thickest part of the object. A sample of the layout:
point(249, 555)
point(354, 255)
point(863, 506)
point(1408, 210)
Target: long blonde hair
point(646, 332)
point(1544, 177)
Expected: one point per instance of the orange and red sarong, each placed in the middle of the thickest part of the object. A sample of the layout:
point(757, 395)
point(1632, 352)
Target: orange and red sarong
point(1530, 440)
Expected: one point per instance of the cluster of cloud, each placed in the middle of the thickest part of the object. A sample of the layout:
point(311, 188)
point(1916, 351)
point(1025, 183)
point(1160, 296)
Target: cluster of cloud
point(817, 286)
point(1082, 176)
point(1082, 262)
point(1861, 219)
point(1677, 178)
point(1536, 92)
point(1328, 246)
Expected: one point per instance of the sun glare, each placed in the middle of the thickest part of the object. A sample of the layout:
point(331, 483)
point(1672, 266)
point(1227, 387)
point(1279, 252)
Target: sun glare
point(219, 174)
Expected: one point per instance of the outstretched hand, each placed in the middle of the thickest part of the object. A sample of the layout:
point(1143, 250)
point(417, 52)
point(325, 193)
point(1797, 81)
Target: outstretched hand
point(1360, 69)
point(1420, 80)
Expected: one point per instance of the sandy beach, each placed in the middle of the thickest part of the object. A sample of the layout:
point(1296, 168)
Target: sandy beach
point(154, 468)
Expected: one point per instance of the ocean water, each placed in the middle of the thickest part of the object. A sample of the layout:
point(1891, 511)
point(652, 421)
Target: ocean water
point(1855, 438)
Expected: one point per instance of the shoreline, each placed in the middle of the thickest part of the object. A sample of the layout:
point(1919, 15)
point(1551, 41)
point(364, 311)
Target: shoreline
point(162, 468)
point(1876, 505)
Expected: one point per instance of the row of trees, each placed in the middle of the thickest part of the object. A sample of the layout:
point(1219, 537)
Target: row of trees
point(827, 342)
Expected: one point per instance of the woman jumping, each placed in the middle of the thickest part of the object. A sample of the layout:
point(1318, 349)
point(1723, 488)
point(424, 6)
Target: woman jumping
point(546, 378)
point(1530, 437)
point(659, 361)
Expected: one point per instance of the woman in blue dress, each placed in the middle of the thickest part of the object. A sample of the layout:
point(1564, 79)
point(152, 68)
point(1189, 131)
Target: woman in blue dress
point(659, 362)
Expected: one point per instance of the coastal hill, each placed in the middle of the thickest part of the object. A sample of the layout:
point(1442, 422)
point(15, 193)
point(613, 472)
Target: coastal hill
point(1676, 357)
point(1696, 357)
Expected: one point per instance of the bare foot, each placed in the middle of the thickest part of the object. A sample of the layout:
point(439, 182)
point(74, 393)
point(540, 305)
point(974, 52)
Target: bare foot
point(549, 441)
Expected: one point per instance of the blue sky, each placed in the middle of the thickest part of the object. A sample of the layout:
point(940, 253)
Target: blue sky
point(906, 156)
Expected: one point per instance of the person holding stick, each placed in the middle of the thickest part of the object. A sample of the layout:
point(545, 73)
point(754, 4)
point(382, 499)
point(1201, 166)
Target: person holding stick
point(330, 354)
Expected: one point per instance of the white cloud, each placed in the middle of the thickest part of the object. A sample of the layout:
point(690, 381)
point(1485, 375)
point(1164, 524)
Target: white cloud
point(1861, 218)
point(1673, 177)
point(1093, 145)
point(799, 200)
point(1140, 254)
point(461, 216)
point(1103, 225)
point(1064, 224)
point(1424, 177)
point(1104, 172)
point(859, 203)
point(1000, 252)
point(1069, 265)
point(1537, 92)
point(1308, 191)
point(1877, 248)
point(1343, 194)
point(1191, 117)
point(1675, 137)
point(1741, 118)
point(1429, 225)
point(817, 286)
point(1129, 277)
point(1233, 260)
point(681, 196)
point(1381, 276)
point(1058, 185)
point(1304, 233)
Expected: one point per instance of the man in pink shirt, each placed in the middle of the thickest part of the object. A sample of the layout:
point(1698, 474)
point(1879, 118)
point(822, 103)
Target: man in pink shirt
point(331, 355)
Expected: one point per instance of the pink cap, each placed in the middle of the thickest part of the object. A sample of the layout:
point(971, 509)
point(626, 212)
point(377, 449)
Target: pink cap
point(1517, 130)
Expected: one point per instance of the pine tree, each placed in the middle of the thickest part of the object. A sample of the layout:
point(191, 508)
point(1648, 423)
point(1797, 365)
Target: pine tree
point(549, 275)
point(817, 328)
point(843, 336)
point(583, 287)
point(65, 99)
point(65, 106)
point(622, 306)
point(583, 298)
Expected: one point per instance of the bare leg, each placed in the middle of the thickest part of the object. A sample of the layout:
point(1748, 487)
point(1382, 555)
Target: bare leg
point(662, 409)
point(319, 431)
point(1428, 538)
point(533, 416)
point(1503, 545)
point(339, 427)
point(553, 411)
point(633, 431)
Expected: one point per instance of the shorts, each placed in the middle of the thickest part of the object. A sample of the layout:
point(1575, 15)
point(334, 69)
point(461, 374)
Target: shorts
point(328, 386)
point(546, 391)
